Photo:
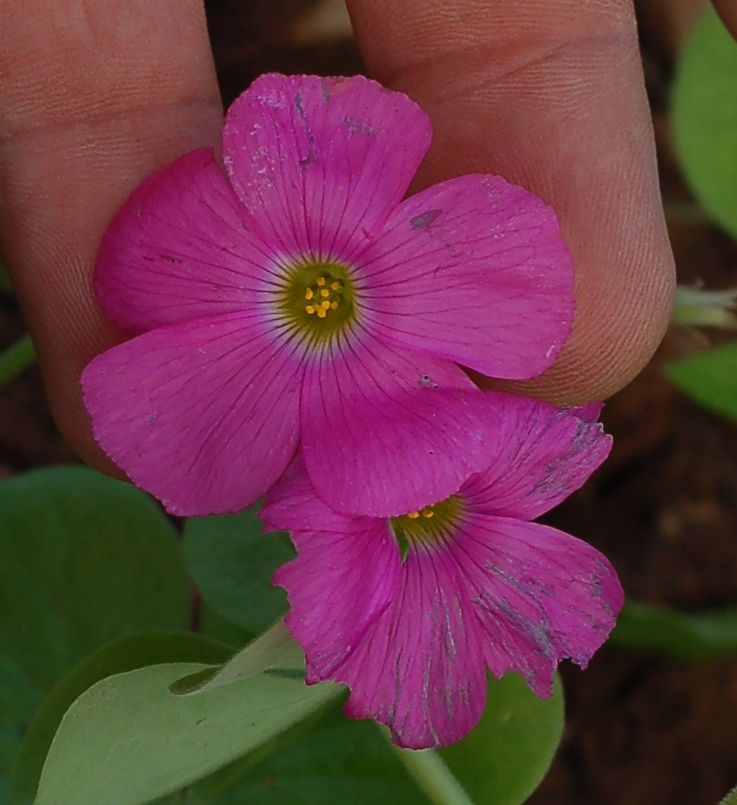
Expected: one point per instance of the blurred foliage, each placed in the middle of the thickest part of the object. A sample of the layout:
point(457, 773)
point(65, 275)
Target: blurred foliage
point(731, 798)
point(74, 546)
point(677, 634)
point(16, 358)
point(705, 119)
point(697, 307)
point(232, 562)
point(710, 378)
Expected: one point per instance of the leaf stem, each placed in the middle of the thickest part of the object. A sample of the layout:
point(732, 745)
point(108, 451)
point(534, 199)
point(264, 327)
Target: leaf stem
point(687, 636)
point(431, 774)
point(16, 358)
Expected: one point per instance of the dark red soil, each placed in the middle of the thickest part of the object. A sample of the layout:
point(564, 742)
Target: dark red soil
point(641, 730)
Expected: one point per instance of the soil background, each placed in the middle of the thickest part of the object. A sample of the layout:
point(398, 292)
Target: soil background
point(641, 729)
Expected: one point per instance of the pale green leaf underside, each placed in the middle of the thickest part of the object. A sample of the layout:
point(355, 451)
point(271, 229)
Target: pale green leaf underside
point(128, 740)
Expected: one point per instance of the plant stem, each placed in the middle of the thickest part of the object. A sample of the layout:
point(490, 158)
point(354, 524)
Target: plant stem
point(697, 306)
point(432, 775)
point(687, 636)
point(16, 358)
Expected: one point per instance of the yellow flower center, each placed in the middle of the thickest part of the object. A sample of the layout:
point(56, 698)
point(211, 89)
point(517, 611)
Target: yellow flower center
point(432, 524)
point(318, 299)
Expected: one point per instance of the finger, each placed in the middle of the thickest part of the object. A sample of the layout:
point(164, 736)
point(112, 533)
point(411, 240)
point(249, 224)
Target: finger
point(93, 97)
point(551, 96)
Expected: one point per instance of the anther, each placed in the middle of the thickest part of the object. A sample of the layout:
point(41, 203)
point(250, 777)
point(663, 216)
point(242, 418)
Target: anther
point(321, 313)
point(336, 286)
point(310, 309)
point(324, 292)
point(320, 281)
point(309, 293)
point(413, 515)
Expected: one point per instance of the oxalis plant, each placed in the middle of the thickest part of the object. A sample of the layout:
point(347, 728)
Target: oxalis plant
point(297, 331)
point(326, 581)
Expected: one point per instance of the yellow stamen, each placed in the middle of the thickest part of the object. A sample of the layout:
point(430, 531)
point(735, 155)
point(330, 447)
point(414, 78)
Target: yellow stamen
point(318, 299)
point(431, 524)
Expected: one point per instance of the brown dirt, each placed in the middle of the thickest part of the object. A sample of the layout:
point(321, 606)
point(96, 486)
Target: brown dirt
point(641, 729)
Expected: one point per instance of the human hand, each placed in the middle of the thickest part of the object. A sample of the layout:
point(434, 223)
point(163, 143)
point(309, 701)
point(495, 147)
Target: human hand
point(93, 97)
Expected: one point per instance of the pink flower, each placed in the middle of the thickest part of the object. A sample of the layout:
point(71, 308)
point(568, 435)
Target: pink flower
point(295, 300)
point(479, 585)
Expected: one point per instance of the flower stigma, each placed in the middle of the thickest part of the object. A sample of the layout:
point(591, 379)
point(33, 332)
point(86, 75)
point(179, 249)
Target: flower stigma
point(318, 300)
point(429, 525)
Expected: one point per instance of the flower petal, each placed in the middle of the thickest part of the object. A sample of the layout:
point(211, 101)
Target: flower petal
point(385, 433)
point(338, 586)
point(293, 505)
point(590, 412)
point(420, 668)
point(540, 594)
point(538, 456)
point(179, 250)
point(320, 162)
point(203, 415)
point(474, 270)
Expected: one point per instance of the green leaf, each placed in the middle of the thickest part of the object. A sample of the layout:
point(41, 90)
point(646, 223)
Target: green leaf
point(677, 634)
point(85, 560)
point(339, 760)
point(504, 759)
point(9, 743)
point(122, 655)
point(710, 378)
point(232, 562)
point(18, 696)
point(219, 628)
point(273, 652)
point(336, 760)
point(705, 118)
point(128, 739)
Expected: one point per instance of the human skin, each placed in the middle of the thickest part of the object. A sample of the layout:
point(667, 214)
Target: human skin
point(95, 96)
